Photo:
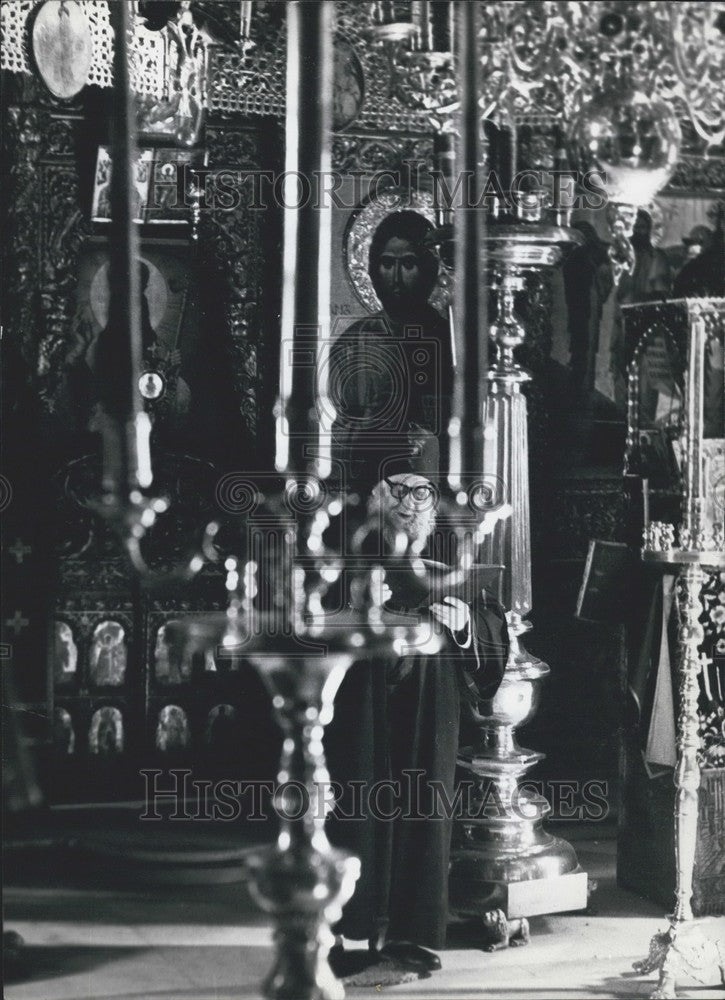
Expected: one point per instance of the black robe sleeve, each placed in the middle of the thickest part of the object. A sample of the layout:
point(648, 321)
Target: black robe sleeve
point(483, 661)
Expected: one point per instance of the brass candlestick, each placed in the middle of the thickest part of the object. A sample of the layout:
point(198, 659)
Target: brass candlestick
point(505, 867)
point(302, 880)
point(685, 948)
point(279, 578)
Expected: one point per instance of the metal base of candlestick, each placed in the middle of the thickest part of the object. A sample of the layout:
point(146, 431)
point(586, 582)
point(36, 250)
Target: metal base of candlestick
point(503, 859)
point(302, 880)
point(689, 949)
point(304, 891)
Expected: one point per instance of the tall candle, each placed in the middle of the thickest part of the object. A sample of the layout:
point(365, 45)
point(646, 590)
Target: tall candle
point(421, 16)
point(303, 435)
point(470, 288)
point(245, 20)
point(125, 427)
point(695, 485)
point(645, 504)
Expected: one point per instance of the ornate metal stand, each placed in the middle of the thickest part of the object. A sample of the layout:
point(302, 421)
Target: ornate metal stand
point(687, 947)
point(302, 880)
point(505, 867)
point(280, 570)
point(274, 620)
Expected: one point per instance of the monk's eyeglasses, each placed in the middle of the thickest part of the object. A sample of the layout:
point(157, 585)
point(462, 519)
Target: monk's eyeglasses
point(421, 493)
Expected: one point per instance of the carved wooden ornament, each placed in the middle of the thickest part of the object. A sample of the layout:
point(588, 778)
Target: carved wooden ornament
point(63, 47)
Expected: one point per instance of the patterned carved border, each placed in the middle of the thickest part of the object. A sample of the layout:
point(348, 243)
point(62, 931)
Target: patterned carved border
point(579, 512)
point(46, 228)
point(236, 239)
point(698, 175)
point(61, 230)
point(21, 148)
point(368, 153)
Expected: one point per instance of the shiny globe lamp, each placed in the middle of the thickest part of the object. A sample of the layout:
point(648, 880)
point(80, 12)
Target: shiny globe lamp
point(632, 140)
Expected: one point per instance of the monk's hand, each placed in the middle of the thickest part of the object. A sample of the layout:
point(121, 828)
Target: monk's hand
point(453, 613)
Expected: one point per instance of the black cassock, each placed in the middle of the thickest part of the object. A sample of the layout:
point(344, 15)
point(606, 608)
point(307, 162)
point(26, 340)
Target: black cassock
point(396, 717)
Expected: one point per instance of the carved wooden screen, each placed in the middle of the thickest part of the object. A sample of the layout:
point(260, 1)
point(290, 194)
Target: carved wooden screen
point(85, 643)
point(123, 697)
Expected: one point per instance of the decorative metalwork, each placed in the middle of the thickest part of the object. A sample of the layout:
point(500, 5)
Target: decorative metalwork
point(284, 559)
point(302, 880)
point(62, 47)
point(712, 697)
point(698, 174)
point(233, 240)
point(632, 444)
point(695, 952)
point(13, 20)
point(502, 852)
point(698, 36)
point(24, 132)
point(182, 110)
point(292, 550)
point(552, 57)
point(369, 154)
point(682, 946)
point(150, 70)
point(406, 92)
point(540, 60)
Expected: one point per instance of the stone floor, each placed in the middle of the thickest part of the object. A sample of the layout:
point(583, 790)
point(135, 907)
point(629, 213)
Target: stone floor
point(209, 942)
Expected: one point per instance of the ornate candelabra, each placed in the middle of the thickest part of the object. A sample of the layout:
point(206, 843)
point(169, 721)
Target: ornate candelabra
point(281, 569)
point(685, 948)
point(282, 566)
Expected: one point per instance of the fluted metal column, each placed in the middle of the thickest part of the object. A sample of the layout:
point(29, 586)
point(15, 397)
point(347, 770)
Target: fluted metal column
point(506, 460)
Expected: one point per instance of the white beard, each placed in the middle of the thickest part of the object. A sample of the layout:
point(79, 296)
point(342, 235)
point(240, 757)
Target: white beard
point(417, 526)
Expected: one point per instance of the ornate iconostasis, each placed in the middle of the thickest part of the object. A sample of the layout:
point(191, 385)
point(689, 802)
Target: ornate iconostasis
point(210, 104)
